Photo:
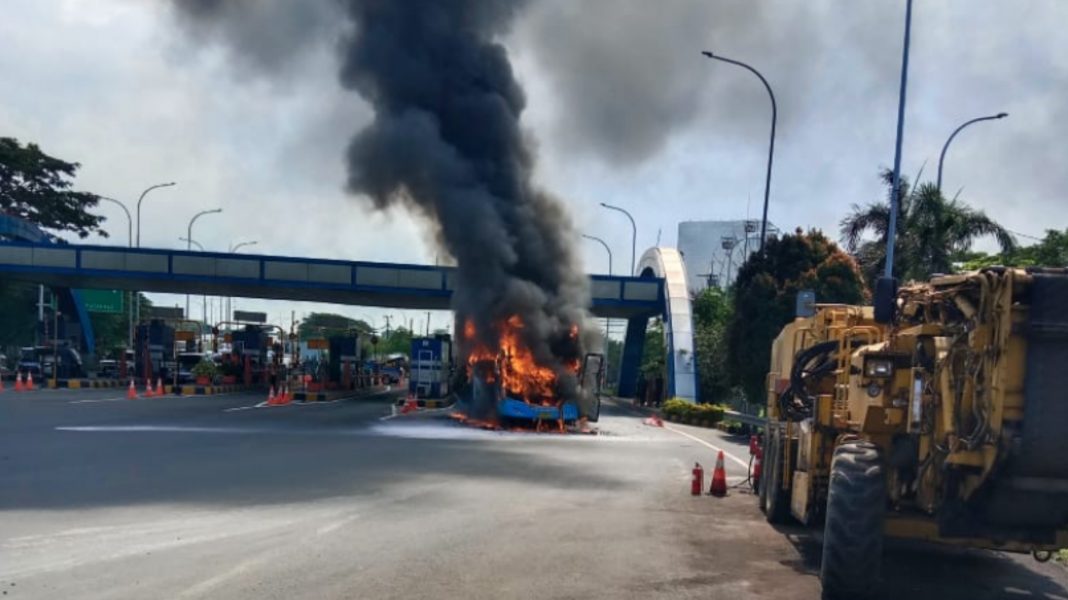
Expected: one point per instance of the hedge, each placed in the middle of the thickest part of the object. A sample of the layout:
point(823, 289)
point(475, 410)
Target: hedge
point(687, 412)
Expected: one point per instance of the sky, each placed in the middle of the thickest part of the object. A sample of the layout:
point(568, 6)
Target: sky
point(246, 114)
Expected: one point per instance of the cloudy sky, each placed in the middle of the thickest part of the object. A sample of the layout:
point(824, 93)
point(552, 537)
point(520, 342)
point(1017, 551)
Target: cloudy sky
point(245, 112)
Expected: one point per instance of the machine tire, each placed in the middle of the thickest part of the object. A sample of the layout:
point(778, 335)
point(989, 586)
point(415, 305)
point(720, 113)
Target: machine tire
point(762, 484)
point(853, 528)
point(777, 500)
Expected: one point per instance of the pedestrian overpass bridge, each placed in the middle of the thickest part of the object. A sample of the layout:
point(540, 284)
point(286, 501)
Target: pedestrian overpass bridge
point(660, 291)
point(280, 277)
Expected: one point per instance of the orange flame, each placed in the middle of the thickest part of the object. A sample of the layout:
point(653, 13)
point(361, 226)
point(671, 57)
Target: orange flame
point(521, 375)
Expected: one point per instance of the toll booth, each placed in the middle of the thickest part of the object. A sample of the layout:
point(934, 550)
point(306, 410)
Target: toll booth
point(431, 367)
point(153, 349)
point(250, 345)
point(343, 369)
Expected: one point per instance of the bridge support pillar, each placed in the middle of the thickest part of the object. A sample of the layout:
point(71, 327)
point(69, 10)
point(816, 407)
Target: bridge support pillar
point(631, 361)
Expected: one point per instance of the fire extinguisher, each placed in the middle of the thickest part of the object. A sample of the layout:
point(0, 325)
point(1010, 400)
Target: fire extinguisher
point(756, 460)
point(698, 482)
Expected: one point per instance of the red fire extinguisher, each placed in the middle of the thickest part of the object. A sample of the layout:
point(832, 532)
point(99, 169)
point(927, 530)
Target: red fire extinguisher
point(698, 482)
point(757, 459)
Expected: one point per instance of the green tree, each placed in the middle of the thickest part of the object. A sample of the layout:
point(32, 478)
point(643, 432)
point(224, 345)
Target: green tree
point(765, 295)
point(931, 230)
point(396, 341)
point(711, 314)
point(112, 330)
point(37, 187)
point(1051, 251)
point(324, 325)
point(653, 360)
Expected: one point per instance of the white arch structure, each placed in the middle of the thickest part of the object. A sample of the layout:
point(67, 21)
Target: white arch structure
point(667, 264)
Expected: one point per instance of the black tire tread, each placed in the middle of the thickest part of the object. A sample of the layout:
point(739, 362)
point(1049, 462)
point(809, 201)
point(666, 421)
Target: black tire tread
point(853, 528)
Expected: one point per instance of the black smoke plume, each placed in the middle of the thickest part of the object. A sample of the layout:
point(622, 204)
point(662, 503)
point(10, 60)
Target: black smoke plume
point(446, 140)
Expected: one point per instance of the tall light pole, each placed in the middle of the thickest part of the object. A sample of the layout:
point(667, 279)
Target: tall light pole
point(633, 233)
point(140, 199)
point(204, 298)
point(606, 249)
point(129, 242)
point(607, 322)
point(942, 157)
point(885, 287)
point(771, 144)
point(189, 242)
point(234, 248)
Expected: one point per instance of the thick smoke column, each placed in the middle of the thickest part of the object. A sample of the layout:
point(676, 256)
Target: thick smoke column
point(446, 139)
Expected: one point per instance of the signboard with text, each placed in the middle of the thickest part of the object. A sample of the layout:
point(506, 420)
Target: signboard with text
point(244, 316)
point(102, 301)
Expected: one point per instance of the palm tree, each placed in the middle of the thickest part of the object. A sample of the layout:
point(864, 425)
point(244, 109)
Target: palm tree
point(930, 231)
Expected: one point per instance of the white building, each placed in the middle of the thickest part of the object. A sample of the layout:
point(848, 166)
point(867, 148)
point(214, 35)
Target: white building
point(713, 250)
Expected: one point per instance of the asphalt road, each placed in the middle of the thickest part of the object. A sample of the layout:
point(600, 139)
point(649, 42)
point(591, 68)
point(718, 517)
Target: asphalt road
point(101, 497)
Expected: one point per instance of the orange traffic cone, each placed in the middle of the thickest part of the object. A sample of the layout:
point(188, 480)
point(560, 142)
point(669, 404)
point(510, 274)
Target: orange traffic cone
point(271, 399)
point(159, 386)
point(18, 382)
point(719, 478)
point(29, 382)
point(284, 398)
point(148, 387)
point(131, 392)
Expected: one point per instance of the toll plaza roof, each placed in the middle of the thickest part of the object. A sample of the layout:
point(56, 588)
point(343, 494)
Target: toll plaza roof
point(281, 277)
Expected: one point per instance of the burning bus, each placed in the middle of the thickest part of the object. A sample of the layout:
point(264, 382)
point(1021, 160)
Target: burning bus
point(507, 385)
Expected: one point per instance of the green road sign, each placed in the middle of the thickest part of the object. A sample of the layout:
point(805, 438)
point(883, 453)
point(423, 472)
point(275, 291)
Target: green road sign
point(102, 301)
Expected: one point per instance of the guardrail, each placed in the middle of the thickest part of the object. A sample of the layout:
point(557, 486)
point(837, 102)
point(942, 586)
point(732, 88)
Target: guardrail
point(755, 421)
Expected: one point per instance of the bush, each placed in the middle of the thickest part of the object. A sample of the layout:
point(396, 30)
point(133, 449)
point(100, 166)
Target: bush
point(687, 412)
point(204, 368)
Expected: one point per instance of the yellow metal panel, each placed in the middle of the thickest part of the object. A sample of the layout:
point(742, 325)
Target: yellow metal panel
point(799, 496)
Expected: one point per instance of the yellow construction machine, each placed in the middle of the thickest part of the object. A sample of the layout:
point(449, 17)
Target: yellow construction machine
point(946, 420)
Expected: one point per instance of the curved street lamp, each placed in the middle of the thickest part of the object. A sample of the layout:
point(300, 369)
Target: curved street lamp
point(189, 242)
point(771, 144)
point(942, 157)
point(137, 305)
point(633, 233)
point(606, 249)
point(141, 199)
point(129, 242)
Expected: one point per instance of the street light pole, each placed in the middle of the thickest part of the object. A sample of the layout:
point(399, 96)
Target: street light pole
point(607, 322)
point(189, 242)
point(895, 190)
point(771, 144)
point(233, 249)
point(129, 242)
point(633, 233)
point(942, 157)
point(606, 249)
point(136, 294)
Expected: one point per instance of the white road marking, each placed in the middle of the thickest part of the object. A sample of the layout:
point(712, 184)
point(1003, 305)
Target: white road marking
point(706, 444)
point(331, 527)
point(92, 401)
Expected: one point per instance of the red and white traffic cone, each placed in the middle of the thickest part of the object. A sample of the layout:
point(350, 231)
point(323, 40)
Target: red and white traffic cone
point(18, 382)
point(131, 392)
point(159, 386)
point(271, 399)
point(29, 382)
point(148, 387)
point(719, 478)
